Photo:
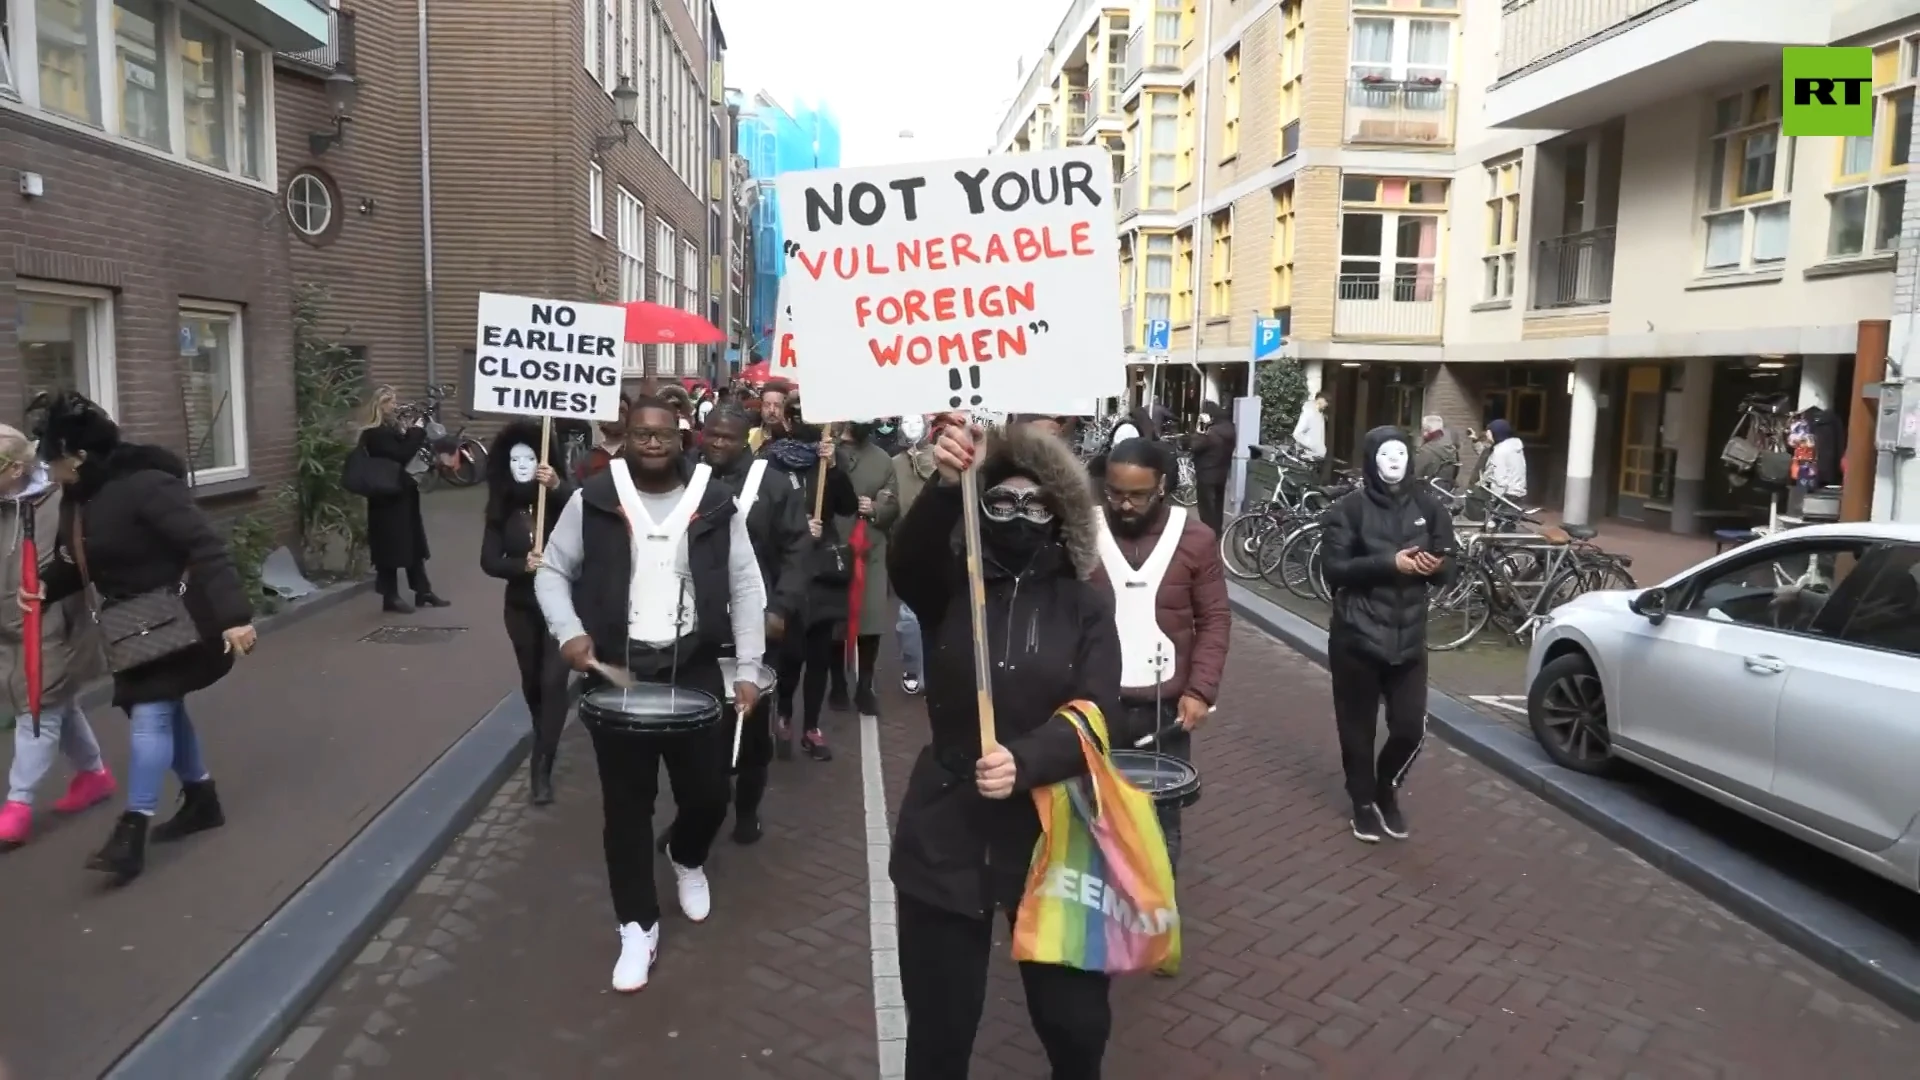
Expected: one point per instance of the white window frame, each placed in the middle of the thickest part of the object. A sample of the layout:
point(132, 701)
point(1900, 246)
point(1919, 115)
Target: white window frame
point(653, 107)
point(1504, 224)
point(1721, 206)
point(1881, 189)
point(690, 299)
point(103, 368)
point(665, 285)
point(23, 26)
point(631, 228)
point(590, 44)
point(237, 402)
point(609, 44)
point(1387, 279)
point(1399, 68)
point(1157, 246)
point(596, 200)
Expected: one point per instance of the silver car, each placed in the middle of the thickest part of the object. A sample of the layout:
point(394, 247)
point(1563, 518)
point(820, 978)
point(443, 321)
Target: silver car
point(1781, 678)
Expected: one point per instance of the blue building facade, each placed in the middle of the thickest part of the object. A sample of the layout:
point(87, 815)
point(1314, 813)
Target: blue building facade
point(776, 139)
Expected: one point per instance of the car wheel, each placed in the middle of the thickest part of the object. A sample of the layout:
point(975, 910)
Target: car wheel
point(1567, 708)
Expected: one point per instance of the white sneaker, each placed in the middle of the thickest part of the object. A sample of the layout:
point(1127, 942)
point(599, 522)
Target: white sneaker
point(696, 898)
point(637, 949)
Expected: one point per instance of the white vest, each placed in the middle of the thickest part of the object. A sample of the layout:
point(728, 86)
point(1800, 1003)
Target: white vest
point(750, 491)
point(659, 599)
point(1146, 654)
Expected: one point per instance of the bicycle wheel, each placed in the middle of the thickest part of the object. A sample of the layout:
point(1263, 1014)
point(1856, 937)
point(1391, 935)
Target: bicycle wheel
point(1296, 562)
point(470, 463)
point(1268, 555)
point(1240, 544)
point(1457, 614)
point(1606, 574)
point(1317, 571)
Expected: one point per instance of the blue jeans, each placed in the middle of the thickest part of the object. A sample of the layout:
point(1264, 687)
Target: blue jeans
point(163, 738)
point(907, 628)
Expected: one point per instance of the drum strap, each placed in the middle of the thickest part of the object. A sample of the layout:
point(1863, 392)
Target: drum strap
point(1146, 653)
point(659, 609)
point(750, 491)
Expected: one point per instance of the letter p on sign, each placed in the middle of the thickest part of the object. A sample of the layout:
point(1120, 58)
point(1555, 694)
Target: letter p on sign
point(1829, 91)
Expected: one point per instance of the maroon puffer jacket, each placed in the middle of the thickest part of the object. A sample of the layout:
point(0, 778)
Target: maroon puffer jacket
point(1192, 607)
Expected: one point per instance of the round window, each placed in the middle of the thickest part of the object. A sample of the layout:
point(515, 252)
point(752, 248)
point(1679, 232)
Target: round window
point(310, 204)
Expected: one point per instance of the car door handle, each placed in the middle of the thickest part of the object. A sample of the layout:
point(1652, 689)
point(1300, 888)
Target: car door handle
point(1764, 665)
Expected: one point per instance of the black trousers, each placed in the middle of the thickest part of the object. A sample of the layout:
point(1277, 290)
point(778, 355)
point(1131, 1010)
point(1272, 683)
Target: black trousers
point(756, 753)
point(386, 579)
point(629, 768)
point(1137, 721)
point(1360, 685)
point(1212, 502)
point(943, 977)
point(543, 676)
point(867, 650)
point(806, 665)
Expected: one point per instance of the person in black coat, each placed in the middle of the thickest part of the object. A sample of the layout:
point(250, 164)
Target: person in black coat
point(1387, 544)
point(396, 535)
point(967, 825)
point(131, 528)
point(514, 479)
point(1212, 452)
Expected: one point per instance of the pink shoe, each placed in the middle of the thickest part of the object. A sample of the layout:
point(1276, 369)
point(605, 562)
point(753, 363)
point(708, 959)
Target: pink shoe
point(87, 789)
point(16, 820)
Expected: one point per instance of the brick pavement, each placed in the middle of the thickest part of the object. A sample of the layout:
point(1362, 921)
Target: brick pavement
point(1504, 941)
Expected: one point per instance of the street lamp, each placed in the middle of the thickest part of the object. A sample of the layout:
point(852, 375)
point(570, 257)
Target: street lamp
point(626, 117)
point(343, 92)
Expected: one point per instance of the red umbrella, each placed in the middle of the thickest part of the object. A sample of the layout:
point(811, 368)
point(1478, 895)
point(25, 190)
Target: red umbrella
point(649, 323)
point(30, 618)
point(860, 544)
point(755, 374)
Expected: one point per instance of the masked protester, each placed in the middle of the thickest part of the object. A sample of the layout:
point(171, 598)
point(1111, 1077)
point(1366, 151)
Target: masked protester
point(665, 611)
point(877, 503)
point(912, 469)
point(1162, 566)
point(967, 825)
point(1387, 544)
point(514, 479)
point(1212, 462)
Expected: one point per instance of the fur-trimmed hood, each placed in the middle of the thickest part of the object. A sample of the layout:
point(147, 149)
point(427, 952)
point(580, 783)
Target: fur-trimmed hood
point(518, 433)
point(1047, 460)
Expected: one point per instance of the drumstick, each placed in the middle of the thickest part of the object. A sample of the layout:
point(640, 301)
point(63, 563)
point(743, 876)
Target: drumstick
point(739, 725)
point(1170, 728)
point(622, 679)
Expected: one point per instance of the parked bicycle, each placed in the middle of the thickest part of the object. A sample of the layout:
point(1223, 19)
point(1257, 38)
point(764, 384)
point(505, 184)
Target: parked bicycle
point(462, 464)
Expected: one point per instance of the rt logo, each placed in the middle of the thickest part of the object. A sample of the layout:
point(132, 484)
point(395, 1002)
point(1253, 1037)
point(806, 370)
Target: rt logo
point(1829, 91)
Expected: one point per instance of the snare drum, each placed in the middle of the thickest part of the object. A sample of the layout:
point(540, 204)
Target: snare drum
point(1173, 784)
point(649, 710)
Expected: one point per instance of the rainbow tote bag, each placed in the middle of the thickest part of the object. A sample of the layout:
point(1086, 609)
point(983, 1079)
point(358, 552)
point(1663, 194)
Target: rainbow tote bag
point(1099, 896)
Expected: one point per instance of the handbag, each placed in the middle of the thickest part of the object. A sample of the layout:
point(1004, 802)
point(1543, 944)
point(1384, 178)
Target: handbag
point(833, 560)
point(370, 477)
point(135, 630)
point(1100, 893)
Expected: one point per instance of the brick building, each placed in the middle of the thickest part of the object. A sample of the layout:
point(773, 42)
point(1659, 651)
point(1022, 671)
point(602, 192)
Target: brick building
point(142, 255)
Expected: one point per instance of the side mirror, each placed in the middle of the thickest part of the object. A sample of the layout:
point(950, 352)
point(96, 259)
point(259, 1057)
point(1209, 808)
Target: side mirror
point(1650, 605)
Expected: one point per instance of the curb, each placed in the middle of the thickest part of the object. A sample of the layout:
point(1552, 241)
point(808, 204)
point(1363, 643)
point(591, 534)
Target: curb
point(1851, 945)
point(240, 1012)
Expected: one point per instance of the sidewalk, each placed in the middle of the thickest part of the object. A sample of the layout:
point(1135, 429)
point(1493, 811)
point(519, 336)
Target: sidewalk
point(309, 738)
point(1503, 941)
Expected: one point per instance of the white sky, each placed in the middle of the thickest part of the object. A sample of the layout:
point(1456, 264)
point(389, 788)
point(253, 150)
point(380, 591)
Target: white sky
point(946, 74)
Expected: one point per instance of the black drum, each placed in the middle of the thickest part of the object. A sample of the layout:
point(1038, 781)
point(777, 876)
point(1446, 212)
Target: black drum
point(1172, 783)
point(753, 733)
point(649, 710)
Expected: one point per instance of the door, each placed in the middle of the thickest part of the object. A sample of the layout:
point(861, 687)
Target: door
point(1706, 683)
point(1640, 440)
point(1849, 718)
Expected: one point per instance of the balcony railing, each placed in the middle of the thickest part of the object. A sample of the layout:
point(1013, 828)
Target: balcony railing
point(1387, 308)
point(1079, 113)
point(1533, 30)
point(1575, 270)
point(1129, 201)
point(1416, 112)
point(338, 49)
point(1050, 137)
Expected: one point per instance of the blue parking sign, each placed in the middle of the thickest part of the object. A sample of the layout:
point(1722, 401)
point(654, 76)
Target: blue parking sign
point(1268, 336)
point(1159, 335)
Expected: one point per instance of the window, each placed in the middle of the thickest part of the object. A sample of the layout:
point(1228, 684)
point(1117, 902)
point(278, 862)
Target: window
point(1747, 177)
point(1399, 51)
point(1167, 32)
point(1293, 68)
point(630, 232)
point(596, 199)
point(65, 338)
point(1220, 264)
point(310, 204)
point(1189, 138)
point(609, 43)
point(690, 299)
point(216, 395)
point(1158, 292)
point(203, 79)
point(249, 97)
point(1183, 276)
point(1503, 229)
point(590, 20)
point(650, 108)
point(1779, 587)
point(1281, 292)
point(627, 29)
point(665, 289)
point(141, 71)
point(1390, 238)
point(1869, 190)
point(66, 35)
point(1230, 107)
point(1163, 147)
point(1886, 613)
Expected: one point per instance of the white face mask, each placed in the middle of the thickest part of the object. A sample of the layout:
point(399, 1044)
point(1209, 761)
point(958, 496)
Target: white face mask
point(912, 428)
point(521, 463)
point(1391, 461)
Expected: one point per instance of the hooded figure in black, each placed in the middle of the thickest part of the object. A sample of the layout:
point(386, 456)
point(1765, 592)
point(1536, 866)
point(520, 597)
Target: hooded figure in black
point(1387, 544)
point(967, 825)
point(514, 478)
point(1212, 453)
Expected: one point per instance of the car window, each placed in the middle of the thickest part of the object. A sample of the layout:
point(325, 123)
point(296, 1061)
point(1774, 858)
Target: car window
point(1778, 586)
point(1886, 613)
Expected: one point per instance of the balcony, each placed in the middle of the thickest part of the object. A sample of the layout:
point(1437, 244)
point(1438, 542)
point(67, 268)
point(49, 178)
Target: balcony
point(1079, 113)
point(1568, 64)
point(1145, 54)
point(338, 49)
point(1392, 113)
point(1129, 202)
point(1080, 17)
point(1387, 309)
point(1575, 270)
point(285, 25)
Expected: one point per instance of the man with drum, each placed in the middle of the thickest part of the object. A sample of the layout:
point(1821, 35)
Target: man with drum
point(1170, 605)
point(650, 570)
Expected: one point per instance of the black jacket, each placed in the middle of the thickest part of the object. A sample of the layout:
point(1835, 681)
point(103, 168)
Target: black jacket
point(1213, 448)
point(1378, 612)
point(396, 534)
point(824, 602)
point(144, 531)
point(1052, 640)
point(778, 525)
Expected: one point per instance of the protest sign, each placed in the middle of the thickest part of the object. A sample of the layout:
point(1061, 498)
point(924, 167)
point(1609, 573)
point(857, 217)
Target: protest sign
point(786, 359)
point(549, 358)
point(986, 284)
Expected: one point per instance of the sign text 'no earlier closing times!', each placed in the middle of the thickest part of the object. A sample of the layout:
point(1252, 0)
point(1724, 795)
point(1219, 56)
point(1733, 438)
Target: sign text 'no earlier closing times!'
point(539, 357)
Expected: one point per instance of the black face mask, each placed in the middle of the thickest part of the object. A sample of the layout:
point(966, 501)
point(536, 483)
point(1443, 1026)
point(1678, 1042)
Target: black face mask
point(1013, 544)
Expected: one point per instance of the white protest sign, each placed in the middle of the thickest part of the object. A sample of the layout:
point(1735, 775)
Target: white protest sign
point(555, 358)
point(985, 284)
point(786, 358)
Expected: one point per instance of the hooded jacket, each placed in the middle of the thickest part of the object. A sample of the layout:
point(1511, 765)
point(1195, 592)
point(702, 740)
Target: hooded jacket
point(507, 536)
point(1051, 639)
point(777, 523)
point(1378, 612)
point(69, 647)
point(1213, 448)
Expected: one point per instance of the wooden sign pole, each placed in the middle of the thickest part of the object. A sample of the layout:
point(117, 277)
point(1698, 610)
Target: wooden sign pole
point(820, 480)
point(977, 599)
point(540, 495)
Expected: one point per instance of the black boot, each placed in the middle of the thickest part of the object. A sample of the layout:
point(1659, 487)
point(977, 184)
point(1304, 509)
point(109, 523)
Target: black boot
point(199, 811)
point(428, 599)
point(540, 777)
point(125, 853)
point(393, 605)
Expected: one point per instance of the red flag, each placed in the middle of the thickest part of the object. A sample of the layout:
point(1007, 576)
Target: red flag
point(30, 617)
point(858, 592)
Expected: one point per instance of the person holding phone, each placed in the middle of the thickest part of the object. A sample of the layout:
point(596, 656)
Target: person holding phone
point(1387, 544)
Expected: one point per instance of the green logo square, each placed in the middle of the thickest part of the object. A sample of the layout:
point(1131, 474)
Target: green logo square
point(1829, 91)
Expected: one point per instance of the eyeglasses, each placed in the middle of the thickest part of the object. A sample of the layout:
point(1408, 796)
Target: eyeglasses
point(1005, 503)
point(643, 436)
point(1131, 499)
